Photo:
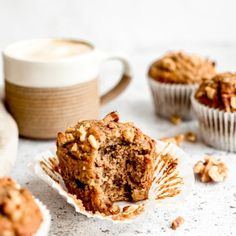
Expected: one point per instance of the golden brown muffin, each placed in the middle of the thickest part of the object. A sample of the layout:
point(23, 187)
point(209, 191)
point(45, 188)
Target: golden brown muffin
point(181, 68)
point(219, 92)
point(19, 214)
point(104, 161)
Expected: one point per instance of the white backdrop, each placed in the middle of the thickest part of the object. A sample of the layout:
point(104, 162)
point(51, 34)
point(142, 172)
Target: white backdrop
point(133, 26)
point(119, 23)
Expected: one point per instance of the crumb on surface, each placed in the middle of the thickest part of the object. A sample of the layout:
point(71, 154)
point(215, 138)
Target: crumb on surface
point(177, 222)
point(175, 119)
point(178, 139)
point(191, 137)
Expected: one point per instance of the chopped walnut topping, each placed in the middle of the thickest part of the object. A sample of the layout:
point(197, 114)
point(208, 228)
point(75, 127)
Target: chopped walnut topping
point(74, 148)
point(70, 129)
point(175, 119)
point(233, 102)
point(210, 92)
point(181, 68)
point(168, 63)
point(93, 142)
point(113, 116)
point(129, 134)
point(64, 138)
point(191, 137)
point(177, 222)
point(211, 170)
point(178, 139)
point(83, 133)
point(218, 92)
point(115, 209)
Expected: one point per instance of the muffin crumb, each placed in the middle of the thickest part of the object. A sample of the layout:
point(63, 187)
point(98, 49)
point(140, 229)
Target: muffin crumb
point(211, 170)
point(175, 119)
point(178, 139)
point(177, 222)
point(191, 137)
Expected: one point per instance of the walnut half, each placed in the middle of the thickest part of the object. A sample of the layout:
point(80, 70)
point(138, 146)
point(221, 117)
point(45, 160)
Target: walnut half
point(210, 170)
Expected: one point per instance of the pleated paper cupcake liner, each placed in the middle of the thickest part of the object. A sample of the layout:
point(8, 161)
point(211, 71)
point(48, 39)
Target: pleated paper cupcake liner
point(172, 99)
point(45, 225)
point(217, 128)
point(172, 182)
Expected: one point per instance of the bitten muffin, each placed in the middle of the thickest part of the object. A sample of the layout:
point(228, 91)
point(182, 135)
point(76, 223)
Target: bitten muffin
point(181, 68)
point(19, 214)
point(173, 78)
point(214, 104)
point(104, 161)
point(219, 92)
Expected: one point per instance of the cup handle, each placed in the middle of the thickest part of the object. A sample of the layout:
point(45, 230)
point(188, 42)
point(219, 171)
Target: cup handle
point(123, 82)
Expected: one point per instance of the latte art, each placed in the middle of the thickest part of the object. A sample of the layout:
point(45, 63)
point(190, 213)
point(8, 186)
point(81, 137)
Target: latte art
point(50, 50)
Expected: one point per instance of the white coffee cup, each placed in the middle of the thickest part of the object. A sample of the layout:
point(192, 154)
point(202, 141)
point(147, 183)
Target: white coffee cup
point(52, 83)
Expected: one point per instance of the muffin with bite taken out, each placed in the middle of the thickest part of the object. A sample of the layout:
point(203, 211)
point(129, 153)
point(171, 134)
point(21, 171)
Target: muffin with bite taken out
point(106, 161)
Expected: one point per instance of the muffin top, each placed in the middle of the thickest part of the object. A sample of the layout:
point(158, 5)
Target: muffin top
point(219, 92)
point(180, 68)
point(19, 214)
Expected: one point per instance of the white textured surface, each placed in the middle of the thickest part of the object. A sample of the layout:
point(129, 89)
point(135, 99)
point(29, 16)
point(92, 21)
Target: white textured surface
point(211, 210)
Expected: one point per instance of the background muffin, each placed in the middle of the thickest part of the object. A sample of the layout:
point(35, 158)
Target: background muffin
point(219, 93)
point(173, 78)
point(215, 106)
point(19, 213)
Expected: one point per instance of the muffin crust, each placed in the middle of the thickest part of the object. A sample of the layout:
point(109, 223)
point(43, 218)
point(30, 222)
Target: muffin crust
point(219, 92)
point(105, 161)
point(19, 214)
point(181, 68)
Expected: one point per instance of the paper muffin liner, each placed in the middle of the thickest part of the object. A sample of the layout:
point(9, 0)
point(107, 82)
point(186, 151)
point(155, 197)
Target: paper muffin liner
point(172, 182)
point(217, 127)
point(172, 99)
point(45, 225)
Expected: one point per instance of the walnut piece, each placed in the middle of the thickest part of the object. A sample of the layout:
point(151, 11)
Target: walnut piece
point(210, 170)
point(74, 148)
point(64, 138)
point(191, 137)
point(175, 119)
point(210, 92)
point(233, 102)
point(128, 135)
point(93, 142)
point(177, 222)
point(178, 139)
point(83, 133)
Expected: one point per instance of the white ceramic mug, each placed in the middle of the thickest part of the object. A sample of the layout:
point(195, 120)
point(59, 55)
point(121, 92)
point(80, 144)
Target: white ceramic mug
point(47, 94)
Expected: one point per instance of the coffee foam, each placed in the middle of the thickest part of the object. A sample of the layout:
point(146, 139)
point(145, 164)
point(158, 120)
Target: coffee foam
point(49, 50)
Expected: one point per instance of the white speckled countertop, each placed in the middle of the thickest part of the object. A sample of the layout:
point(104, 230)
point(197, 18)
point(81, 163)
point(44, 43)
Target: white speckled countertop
point(210, 210)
